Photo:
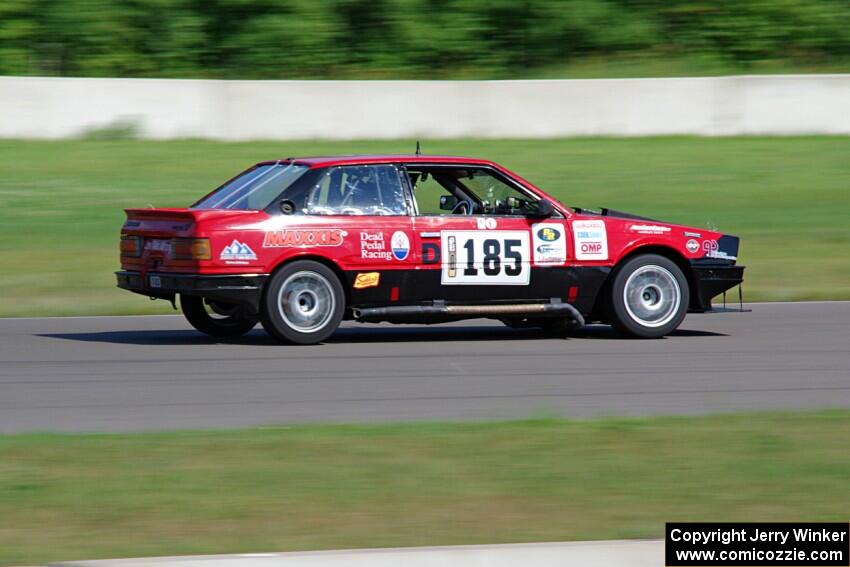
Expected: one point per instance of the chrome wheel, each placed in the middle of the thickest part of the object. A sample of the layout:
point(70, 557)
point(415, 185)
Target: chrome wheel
point(652, 296)
point(306, 301)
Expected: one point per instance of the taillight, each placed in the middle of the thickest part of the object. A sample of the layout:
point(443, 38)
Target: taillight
point(131, 246)
point(191, 249)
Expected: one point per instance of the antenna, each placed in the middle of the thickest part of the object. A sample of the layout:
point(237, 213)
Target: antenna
point(418, 151)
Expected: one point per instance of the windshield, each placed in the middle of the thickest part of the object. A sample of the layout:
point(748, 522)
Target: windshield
point(253, 190)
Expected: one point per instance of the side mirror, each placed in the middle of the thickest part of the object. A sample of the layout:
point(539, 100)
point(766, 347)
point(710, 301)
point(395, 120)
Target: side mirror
point(545, 209)
point(447, 202)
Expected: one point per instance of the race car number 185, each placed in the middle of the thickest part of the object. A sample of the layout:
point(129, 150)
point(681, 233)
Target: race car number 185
point(487, 257)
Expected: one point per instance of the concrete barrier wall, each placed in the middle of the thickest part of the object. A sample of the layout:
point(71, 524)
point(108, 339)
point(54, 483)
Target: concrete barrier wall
point(33, 107)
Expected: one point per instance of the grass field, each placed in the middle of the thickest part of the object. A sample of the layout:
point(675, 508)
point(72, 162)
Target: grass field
point(789, 199)
point(313, 487)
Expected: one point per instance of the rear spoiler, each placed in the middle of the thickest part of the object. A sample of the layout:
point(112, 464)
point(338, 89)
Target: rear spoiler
point(185, 215)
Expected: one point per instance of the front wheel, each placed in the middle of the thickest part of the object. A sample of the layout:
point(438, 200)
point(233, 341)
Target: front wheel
point(648, 297)
point(303, 303)
point(215, 318)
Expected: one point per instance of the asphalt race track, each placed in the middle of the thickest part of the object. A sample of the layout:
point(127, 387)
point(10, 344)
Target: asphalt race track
point(128, 373)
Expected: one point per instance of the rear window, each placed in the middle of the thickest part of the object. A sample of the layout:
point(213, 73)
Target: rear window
point(358, 190)
point(255, 189)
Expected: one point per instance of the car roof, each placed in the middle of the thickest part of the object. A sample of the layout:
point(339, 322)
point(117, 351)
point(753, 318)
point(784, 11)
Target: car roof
point(326, 161)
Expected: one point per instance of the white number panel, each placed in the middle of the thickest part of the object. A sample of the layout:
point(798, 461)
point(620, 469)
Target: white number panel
point(486, 257)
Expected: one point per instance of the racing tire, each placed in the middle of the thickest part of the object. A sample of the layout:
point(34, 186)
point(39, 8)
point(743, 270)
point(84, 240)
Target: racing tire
point(648, 297)
point(303, 303)
point(216, 319)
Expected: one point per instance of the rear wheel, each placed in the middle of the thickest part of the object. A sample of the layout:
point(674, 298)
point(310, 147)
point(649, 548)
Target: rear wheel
point(303, 303)
point(648, 297)
point(215, 318)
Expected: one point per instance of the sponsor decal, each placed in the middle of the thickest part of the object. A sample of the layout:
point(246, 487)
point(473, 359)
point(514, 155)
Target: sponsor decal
point(373, 246)
point(709, 247)
point(237, 251)
point(649, 228)
point(368, 279)
point(400, 244)
point(692, 234)
point(712, 250)
point(548, 233)
point(692, 246)
point(450, 269)
point(304, 237)
point(550, 246)
point(487, 223)
point(591, 240)
point(722, 255)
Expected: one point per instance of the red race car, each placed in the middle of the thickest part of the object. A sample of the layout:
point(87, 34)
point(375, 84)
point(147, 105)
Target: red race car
point(301, 244)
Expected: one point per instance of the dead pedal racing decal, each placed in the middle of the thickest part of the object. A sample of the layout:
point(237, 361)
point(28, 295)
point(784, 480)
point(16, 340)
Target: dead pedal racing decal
point(490, 257)
point(304, 237)
point(550, 244)
point(374, 245)
point(237, 251)
point(368, 279)
point(591, 240)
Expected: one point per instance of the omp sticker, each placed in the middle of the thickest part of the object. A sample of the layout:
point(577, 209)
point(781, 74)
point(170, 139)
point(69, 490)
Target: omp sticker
point(549, 243)
point(400, 244)
point(591, 240)
point(692, 246)
point(304, 237)
point(237, 251)
point(649, 228)
point(491, 257)
point(368, 279)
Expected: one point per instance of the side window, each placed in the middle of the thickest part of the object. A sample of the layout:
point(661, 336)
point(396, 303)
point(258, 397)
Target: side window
point(428, 193)
point(358, 190)
point(495, 197)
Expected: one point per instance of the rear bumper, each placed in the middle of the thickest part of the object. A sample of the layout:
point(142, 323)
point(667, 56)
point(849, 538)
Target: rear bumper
point(245, 289)
point(712, 279)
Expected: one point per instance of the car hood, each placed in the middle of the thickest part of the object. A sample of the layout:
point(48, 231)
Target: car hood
point(611, 213)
